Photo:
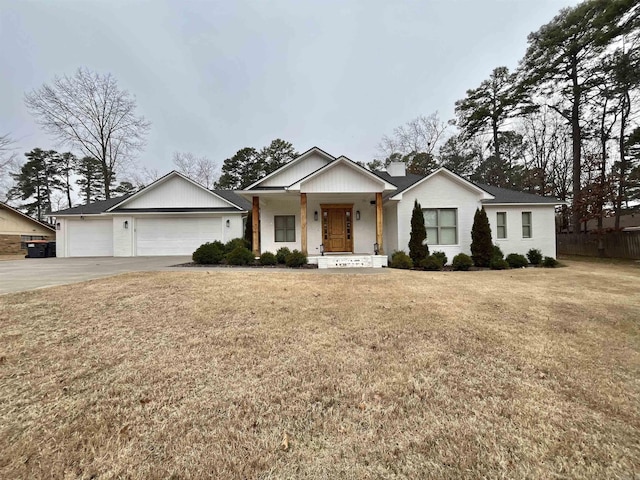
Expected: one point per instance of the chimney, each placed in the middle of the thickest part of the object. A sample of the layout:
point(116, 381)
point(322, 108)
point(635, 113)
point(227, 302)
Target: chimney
point(397, 169)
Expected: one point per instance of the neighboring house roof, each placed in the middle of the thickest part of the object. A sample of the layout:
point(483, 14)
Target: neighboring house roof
point(504, 195)
point(42, 224)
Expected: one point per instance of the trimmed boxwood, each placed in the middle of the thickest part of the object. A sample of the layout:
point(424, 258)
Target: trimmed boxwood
point(535, 256)
point(499, 264)
point(462, 262)
point(401, 260)
point(515, 260)
point(442, 256)
point(431, 263)
point(235, 243)
point(210, 253)
point(296, 259)
point(550, 262)
point(268, 258)
point(239, 256)
point(281, 255)
point(497, 253)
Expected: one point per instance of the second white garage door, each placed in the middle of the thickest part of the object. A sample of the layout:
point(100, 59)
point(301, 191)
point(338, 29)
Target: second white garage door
point(175, 236)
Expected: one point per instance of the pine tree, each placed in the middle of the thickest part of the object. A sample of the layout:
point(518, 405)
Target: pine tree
point(36, 181)
point(418, 249)
point(91, 179)
point(481, 244)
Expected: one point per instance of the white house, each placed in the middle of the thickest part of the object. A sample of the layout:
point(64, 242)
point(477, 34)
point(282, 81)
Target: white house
point(172, 216)
point(333, 209)
point(342, 214)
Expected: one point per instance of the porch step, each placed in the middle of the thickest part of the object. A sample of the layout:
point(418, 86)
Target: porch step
point(350, 261)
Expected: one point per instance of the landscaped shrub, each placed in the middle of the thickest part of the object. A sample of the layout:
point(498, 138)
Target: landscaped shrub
point(268, 258)
point(295, 259)
point(499, 264)
point(281, 255)
point(515, 260)
point(481, 245)
point(497, 253)
point(431, 263)
point(235, 243)
point(462, 261)
point(550, 262)
point(401, 260)
point(209, 253)
point(239, 256)
point(442, 256)
point(535, 256)
point(418, 249)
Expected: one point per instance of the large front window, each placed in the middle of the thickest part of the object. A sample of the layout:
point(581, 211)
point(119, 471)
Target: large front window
point(442, 226)
point(285, 228)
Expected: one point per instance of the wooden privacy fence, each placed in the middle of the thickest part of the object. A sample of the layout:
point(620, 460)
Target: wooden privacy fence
point(616, 244)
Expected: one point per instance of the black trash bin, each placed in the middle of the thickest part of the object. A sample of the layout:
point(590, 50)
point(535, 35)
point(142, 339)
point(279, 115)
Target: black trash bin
point(37, 249)
point(51, 249)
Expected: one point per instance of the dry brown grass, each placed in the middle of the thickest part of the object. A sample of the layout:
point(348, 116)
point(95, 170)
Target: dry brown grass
point(278, 374)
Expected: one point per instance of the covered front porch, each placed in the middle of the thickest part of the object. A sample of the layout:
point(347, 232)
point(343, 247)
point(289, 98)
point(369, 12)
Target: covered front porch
point(319, 224)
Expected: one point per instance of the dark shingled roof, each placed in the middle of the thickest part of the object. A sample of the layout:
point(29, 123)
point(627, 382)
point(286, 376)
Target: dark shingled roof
point(233, 197)
point(504, 195)
point(104, 205)
point(401, 182)
point(93, 208)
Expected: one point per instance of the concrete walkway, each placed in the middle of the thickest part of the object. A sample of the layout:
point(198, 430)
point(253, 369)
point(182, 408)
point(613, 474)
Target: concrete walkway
point(32, 273)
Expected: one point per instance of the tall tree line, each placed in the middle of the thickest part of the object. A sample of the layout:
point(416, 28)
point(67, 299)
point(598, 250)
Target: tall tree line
point(564, 123)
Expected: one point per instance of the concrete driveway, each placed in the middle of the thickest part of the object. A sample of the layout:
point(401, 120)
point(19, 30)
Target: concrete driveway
point(32, 273)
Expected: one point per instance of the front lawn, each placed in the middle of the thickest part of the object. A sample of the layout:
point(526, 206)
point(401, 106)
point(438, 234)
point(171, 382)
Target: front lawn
point(528, 373)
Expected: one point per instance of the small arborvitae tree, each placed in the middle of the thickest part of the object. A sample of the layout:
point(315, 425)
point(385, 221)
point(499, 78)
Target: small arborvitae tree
point(248, 230)
point(418, 249)
point(481, 245)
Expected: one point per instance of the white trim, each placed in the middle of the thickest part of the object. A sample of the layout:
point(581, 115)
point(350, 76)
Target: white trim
point(342, 160)
point(486, 195)
point(164, 179)
point(293, 162)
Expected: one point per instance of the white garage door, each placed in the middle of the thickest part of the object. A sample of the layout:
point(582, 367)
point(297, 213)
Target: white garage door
point(175, 236)
point(90, 238)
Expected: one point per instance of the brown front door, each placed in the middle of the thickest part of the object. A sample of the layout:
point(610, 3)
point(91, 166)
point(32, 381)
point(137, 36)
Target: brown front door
point(337, 228)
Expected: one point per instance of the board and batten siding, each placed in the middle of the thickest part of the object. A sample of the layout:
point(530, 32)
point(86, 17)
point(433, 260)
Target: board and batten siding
point(341, 179)
point(176, 192)
point(543, 235)
point(440, 191)
point(271, 206)
point(390, 234)
point(295, 172)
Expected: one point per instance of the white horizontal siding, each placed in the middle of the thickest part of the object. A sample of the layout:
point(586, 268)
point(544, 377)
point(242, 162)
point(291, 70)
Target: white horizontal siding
point(176, 192)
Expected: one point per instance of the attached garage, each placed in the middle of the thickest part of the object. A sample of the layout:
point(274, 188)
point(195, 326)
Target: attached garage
point(172, 216)
point(90, 237)
point(175, 235)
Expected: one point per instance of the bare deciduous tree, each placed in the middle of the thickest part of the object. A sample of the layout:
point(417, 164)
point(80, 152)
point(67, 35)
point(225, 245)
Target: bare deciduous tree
point(200, 169)
point(8, 164)
point(89, 112)
point(423, 134)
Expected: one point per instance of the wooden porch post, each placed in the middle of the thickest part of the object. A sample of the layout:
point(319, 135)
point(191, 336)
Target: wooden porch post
point(379, 222)
point(303, 222)
point(255, 227)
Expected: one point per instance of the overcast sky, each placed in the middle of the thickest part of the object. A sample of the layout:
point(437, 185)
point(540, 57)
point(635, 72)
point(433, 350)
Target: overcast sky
point(217, 76)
